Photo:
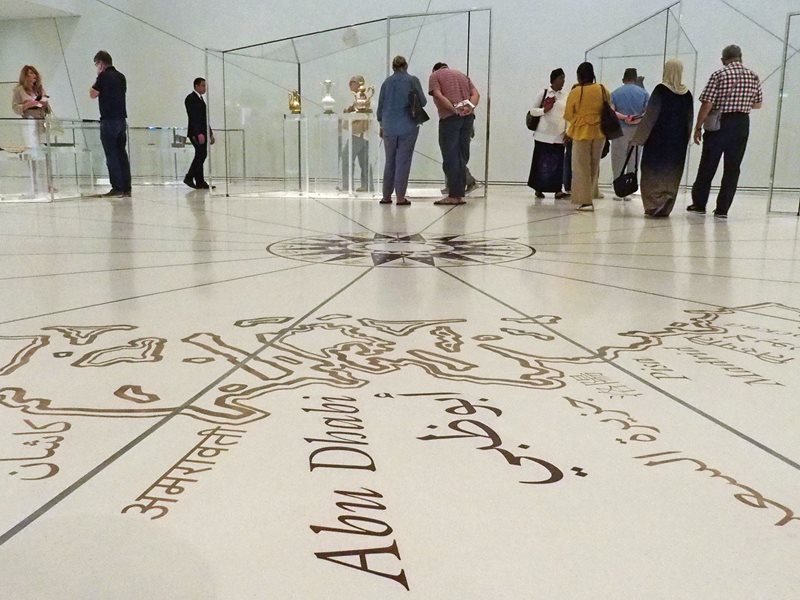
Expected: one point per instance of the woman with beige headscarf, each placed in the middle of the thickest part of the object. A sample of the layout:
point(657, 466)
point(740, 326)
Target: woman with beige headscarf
point(665, 133)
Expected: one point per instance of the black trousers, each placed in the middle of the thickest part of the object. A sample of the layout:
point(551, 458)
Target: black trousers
point(729, 143)
point(113, 136)
point(196, 168)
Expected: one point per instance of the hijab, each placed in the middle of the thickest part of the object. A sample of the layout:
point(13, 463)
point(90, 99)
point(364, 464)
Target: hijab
point(673, 75)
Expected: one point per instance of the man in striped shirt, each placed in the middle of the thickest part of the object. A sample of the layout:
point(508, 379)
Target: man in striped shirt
point(455, 97)
point(734, 91)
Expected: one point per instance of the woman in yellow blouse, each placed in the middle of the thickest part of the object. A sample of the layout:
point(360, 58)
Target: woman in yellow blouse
point(584, 107)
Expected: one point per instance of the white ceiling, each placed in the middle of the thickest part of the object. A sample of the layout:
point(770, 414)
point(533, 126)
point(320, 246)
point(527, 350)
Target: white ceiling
point(24, 9)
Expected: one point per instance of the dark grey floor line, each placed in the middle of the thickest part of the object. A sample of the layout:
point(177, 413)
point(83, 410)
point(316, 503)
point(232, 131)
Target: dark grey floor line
point(194, 264)
point(341, 214)
point(156, 426)
point(649, 269)
point(151, 294)
point(104, 252)
point(691, 407)
point(652, 227)
point(673, 242)
point(72, 204)
point(252, 220)
point(627, 289)
point(437, 219)
point(560, 252)
point(134, 238)
point(559, 216)
point(609, 285)
point(156, 225)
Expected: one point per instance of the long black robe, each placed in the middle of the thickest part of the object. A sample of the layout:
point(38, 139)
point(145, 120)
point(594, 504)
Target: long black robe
point(665, 132)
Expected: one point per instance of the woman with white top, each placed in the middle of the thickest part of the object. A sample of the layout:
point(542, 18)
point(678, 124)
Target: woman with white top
point(30, 101)
point(547, 166)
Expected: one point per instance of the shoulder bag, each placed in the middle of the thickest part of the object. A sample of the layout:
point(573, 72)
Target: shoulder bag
point(627, 184)
point(609, 123)
point(418, 114)
point(532, 122)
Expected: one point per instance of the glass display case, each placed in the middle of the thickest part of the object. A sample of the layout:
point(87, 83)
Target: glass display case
point(43, 162)
point(645, 46)
point(162, 155)
point(264, 84)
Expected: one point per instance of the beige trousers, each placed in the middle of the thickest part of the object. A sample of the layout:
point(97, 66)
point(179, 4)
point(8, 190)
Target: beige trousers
point(585, 169)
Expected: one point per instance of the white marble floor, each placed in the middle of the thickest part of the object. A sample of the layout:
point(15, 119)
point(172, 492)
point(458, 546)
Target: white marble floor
point(234, 398)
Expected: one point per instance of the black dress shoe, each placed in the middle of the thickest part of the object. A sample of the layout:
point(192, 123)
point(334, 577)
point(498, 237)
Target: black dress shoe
point(203, 185)
point(112, 194)
point(696, 209)
point(188, 181)
point(539, 194)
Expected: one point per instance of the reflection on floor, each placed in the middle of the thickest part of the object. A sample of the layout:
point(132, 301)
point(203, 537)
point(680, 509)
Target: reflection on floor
point(210, 397)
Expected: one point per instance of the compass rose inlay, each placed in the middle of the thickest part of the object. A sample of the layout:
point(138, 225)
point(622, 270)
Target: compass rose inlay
point(399, 250)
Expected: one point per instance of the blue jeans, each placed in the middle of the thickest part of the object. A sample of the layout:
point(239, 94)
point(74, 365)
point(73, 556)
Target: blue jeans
point(399, 150)
point(113, 135)
point(454, 139)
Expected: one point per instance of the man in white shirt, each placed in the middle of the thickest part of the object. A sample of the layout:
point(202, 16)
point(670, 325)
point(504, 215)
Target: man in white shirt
point(547, 166)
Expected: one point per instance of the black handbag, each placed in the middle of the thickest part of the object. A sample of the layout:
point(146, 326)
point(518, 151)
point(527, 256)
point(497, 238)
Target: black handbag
point(532, 122)
point(418, 114)
point(627, 184)
point(609, 123)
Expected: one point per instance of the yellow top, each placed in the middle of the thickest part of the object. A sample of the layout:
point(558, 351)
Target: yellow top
point(584, 106)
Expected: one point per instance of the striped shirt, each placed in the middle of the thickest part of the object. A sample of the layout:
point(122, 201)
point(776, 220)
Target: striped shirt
point(733, 89)
point(454, 85)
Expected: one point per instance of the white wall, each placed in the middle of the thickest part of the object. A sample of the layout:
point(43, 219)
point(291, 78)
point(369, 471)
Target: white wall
point(158, 45)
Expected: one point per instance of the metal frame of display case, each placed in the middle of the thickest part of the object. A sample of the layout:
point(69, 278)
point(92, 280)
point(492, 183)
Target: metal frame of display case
point(488, 95)
point(669, 13)
point(776, 143)
point(179, 141)
point(485, 96)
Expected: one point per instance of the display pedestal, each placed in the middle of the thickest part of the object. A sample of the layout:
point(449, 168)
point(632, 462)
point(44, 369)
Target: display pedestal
point(295, 154)
point(326, 167)
point(360, 150)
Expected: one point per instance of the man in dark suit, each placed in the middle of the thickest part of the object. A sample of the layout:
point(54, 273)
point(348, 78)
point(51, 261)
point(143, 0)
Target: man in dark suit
point(198, 125)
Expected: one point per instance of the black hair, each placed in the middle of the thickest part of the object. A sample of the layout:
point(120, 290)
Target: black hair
point(440, 65)
point(586, 73)
point(585, 76)
point(103, 57)
point(198, 81)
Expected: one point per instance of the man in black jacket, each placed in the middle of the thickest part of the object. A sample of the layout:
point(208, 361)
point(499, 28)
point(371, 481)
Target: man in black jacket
point(198, 125)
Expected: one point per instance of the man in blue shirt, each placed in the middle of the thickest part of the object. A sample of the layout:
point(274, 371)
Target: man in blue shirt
point(629, 101)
